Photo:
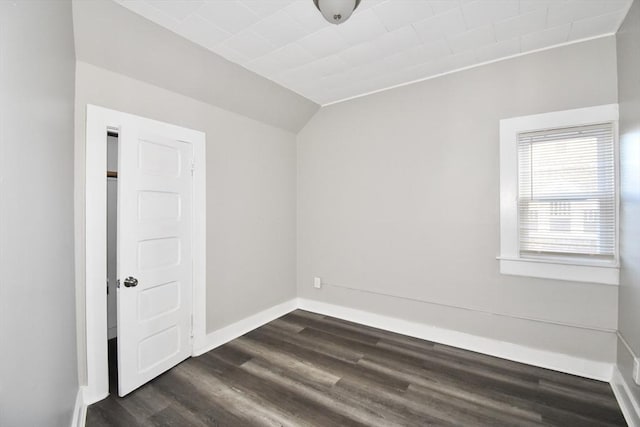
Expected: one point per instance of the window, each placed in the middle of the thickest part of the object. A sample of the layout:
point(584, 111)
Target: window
point(566, 192)
point(558, 190)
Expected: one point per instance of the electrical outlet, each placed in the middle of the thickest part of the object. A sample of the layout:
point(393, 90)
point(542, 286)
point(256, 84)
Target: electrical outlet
point(317, 282)
point(636, 370)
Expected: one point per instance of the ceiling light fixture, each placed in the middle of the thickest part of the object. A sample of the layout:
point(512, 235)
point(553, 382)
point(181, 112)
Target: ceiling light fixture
point(336, 11)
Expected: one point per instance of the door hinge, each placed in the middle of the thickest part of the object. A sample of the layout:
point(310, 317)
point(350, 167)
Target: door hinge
point(118, 283)
point(193, 168)
point(191, 326)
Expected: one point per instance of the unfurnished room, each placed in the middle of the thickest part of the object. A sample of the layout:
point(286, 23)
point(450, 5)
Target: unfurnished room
point(319, 213)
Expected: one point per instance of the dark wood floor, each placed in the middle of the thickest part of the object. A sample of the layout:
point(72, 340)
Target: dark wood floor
point(310, 370)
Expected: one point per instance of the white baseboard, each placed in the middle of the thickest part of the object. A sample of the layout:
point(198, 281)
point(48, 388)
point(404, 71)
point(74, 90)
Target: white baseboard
point(545, 359)
point(79, 415)
point(235, 330)
point(628, 404)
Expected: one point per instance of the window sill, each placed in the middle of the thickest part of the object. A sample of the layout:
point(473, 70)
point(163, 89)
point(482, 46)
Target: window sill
point(606, 274)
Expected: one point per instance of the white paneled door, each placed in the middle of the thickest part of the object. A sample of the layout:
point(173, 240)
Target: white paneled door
point(155, 267)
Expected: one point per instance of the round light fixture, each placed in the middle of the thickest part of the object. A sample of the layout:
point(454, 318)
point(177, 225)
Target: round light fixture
point(336, 11)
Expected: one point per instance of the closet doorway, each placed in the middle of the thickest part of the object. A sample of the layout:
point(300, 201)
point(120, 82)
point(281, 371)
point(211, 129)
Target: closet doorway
point(145, 237)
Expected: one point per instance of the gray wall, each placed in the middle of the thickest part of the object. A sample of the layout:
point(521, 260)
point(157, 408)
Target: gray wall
point(146, 51)
point(251, 175)
point(398, 203)
point(38, 373)
point(628, 42)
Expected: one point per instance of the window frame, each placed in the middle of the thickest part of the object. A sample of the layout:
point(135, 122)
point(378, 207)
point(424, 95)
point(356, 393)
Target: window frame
point(559, 267)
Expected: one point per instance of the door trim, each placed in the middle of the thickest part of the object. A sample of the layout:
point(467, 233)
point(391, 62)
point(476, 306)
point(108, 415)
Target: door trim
point(98, 121)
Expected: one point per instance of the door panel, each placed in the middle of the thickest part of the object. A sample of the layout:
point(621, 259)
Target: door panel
point(154, 246)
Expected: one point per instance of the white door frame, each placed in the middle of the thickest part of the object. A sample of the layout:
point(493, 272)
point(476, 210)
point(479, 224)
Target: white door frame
point(98, 121)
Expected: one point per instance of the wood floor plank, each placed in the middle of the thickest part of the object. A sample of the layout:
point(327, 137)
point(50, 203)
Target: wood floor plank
point(340, 331)
point(369, 350)
point(194, 398)
point(145, 404)
point(482, 360)
point(553, 416)
point(231, 355)
point(501, 403)
point(285, 326)
point(377, 333)
point(110, 412)
point(327, 348)
point(250, 408)
point(306, 369)
point(286, 359)
point(392, 401)
point(460, 411)
point(338, 368)
point(321, 399)
point(282, 399)
point(176, 416)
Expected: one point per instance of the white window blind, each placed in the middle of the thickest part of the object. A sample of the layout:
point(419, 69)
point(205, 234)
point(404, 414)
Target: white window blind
point(567, 192)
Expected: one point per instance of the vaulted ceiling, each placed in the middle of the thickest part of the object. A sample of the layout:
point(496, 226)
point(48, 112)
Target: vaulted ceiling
point(384, 44)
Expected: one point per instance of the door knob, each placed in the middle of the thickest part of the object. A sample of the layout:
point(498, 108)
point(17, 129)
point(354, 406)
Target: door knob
point(130, 282)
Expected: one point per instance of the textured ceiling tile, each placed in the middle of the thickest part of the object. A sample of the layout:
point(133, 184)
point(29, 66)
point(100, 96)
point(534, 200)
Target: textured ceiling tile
point(412, 57)
point(202, 32)
point(395, 41)
point(460, 60)
point(329, 65)
point(266, 66)
point(530, 5)
point(472, 39)
point(298, 79)
point(591, 27)
point(230, 15)
point(483, 12)
point(292, 56)
point(250, 45)
point(498, 50)
point(398, 13)
point(542, 39)
point(384, 42)
point(367, 86)
point(362, 27)
point(266, 7)
point(449, 24)
point(306, 14)
point(561, 13)
point(435, 50)
point(423, 71)
point(333, 80)
point(440, 6)
point(388, 65)
point(175, 8)
point(279, 29)
point(401, 76)
point(151, 13)
point(386, 81)
point(589, 9)
point(368, 4)
point(348, 77)
point(363, 72)
point(325, 42)
point(361, 53)
point(427, 69)
point(519, 25)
